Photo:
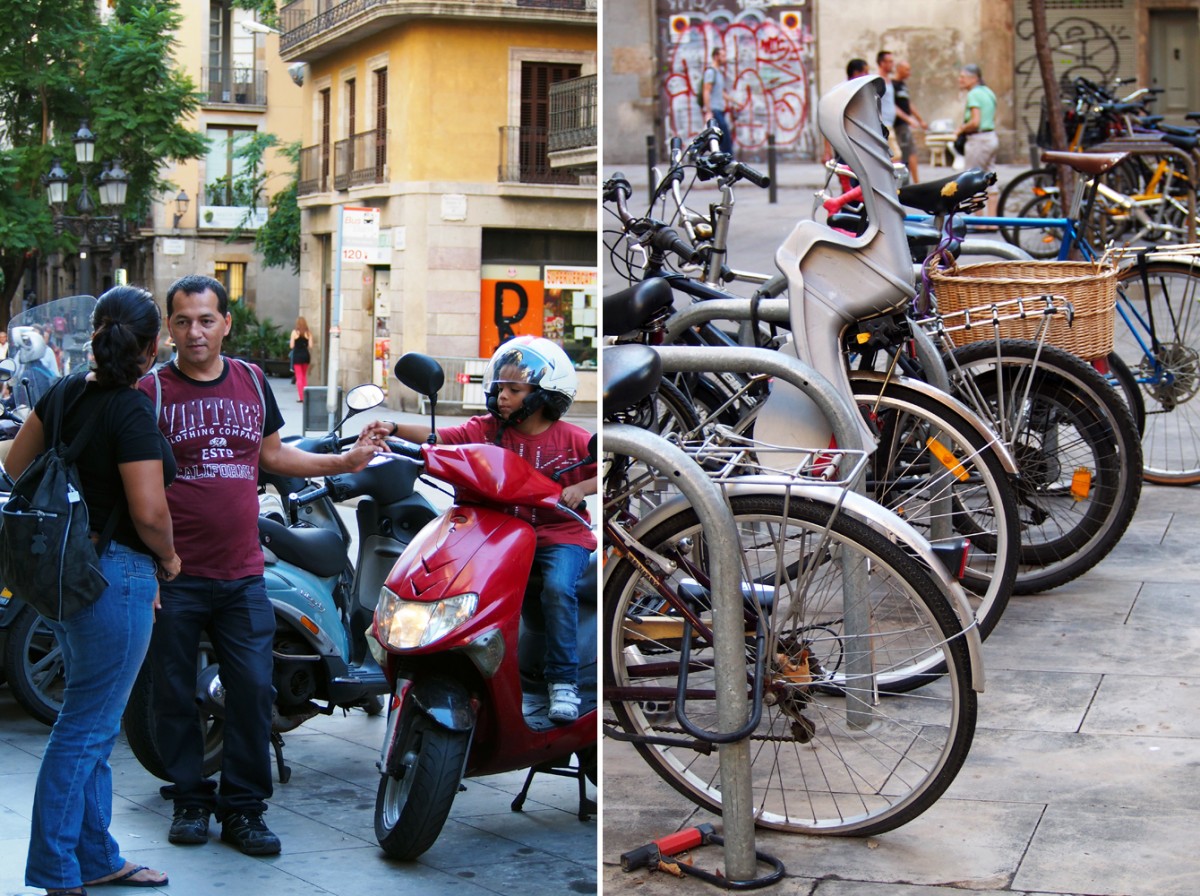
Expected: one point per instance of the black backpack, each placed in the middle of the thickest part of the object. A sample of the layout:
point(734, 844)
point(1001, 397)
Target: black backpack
point(47, 557)
point(700, 89)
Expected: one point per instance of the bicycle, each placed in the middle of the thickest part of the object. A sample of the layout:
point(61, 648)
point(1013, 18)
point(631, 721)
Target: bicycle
point(1156, 356)
point(841, 743)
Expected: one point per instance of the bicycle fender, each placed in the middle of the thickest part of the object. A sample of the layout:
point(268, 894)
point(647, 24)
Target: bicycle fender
point(862, 508)
point(955, 404)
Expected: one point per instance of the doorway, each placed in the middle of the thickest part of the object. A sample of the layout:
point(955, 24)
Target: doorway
point(1174, 45)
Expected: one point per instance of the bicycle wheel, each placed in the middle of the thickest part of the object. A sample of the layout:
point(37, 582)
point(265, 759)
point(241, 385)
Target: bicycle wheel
point(935, 470)
point(816, 766)
point(1017, 193)
point(1124, 380)
point(1042, 241)
point(1075, 444)
point(1169, 374)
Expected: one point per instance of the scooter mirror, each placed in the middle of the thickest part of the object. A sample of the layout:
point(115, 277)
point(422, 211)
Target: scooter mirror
point(591, 458)
point(421, 373)
point(8, 368)
point(364, 397)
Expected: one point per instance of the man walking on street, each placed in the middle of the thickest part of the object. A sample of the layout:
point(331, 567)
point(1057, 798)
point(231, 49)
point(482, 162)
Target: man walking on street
point(713, 100)
point(222, 424)
point(908, 119)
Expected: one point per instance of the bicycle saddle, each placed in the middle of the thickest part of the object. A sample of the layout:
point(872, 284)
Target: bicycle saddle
point(1092, 163)
point(631, 373)
point(948, 194)
point(635, 306)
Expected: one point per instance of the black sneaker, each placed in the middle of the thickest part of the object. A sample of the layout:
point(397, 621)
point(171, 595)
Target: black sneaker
point(247, 832)
point(189, 826)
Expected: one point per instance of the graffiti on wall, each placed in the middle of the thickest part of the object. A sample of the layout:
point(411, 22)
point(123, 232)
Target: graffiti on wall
point(1080, 48)
point(768, 72)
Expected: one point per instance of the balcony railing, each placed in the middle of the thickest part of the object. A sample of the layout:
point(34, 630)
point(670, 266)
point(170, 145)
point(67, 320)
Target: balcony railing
point(302, 20)
point(314, 170)
point(341, 165)
point(359, 160)
point(234, 86)
point(572, 114)
point(368, 161)
point(523, 158)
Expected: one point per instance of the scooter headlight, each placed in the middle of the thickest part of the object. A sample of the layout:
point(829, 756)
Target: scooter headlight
point(405, 624)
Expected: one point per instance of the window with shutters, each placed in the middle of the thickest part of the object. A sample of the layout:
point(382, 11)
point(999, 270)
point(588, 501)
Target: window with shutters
point(536, 78)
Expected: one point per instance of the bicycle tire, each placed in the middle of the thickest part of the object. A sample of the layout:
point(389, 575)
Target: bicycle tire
point(1170, 378)
point(1041, 242)
point(1075, 444)
point(1121, 378)
point(1017, 193)
point(812, 772)
point(906, 476)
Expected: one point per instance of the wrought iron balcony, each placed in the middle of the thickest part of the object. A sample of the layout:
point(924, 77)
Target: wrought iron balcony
point(523, 158)
point(572, 114)
point(356, 161)
point(313, 27)
point(234, 86)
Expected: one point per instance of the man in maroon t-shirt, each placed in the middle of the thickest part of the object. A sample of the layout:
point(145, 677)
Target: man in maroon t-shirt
point(221, 427)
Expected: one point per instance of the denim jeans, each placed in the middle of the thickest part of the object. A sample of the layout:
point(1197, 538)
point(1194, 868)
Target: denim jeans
point(561, 565)
point(102, 648)
point(726, 143)
point(238, 617)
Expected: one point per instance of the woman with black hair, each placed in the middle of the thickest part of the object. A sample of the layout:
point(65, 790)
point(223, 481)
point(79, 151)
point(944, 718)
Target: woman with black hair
point(124, 472)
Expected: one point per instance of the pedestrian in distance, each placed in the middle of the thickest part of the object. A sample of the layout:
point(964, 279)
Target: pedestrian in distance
point(908, 119)
point(530, 383)
point(223, 424)
point(123, 471)
point(300, 346)
point(884, 64)
point(979, 125)
point(856, 68)
point(714, 100)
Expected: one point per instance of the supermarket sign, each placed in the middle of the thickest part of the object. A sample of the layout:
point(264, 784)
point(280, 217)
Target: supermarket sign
point(360, 237)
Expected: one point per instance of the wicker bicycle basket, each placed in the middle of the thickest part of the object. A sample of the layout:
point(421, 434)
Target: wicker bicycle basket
point(1090, 288)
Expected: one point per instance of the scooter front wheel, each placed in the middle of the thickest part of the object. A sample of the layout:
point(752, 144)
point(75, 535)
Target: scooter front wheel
point(414, 799)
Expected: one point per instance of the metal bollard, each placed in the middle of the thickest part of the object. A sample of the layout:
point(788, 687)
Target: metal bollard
point(651, 161)
point(772, 195)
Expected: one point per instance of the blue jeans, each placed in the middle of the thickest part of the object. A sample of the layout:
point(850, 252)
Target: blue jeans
point(238, 618)
point(561, 565)
point(726, 143)
point(102, 648)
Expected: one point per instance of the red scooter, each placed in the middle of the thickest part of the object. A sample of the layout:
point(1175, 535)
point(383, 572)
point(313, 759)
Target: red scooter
point(461, 654)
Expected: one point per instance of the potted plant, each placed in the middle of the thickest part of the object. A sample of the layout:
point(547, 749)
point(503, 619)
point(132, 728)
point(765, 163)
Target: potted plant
point(260, 342)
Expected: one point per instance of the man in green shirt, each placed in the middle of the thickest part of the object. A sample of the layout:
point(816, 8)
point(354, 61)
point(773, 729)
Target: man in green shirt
point(979, 124)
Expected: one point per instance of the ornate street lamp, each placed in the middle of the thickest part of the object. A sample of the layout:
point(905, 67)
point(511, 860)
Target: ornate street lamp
point(90, 228)
point(181, 206)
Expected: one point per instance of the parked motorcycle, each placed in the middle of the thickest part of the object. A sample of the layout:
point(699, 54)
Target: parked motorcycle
point(46, 342)
point(323, 604)
point(461, 653)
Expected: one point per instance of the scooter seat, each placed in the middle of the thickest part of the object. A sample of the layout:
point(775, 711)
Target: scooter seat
point(320, 551)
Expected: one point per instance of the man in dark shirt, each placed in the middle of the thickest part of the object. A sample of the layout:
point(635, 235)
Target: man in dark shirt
point(908, 119)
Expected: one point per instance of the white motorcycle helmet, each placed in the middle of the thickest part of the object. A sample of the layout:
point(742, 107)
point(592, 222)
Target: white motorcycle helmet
point(28, 344)
point(538, 362)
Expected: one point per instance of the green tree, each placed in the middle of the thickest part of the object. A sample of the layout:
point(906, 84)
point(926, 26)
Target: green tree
point(59, 64)
point(278, 240)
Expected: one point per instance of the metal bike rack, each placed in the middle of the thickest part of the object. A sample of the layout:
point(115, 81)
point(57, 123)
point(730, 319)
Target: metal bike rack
point(1151, 148)
point(728, 628)
point(844, 422)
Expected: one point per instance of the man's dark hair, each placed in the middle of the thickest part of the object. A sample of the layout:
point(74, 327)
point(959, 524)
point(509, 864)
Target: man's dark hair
point(880, 55)
point(197, 284)
point(856, 68)
point(717, 50)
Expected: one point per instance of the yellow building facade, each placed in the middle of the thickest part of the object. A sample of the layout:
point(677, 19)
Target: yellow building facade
point(245, 89)
point(434, 215)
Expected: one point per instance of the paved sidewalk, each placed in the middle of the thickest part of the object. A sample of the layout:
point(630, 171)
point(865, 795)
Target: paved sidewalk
point(324, 815)
point(1082, 776)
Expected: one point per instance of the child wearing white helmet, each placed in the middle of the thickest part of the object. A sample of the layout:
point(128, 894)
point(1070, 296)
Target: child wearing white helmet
point(530, 383)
